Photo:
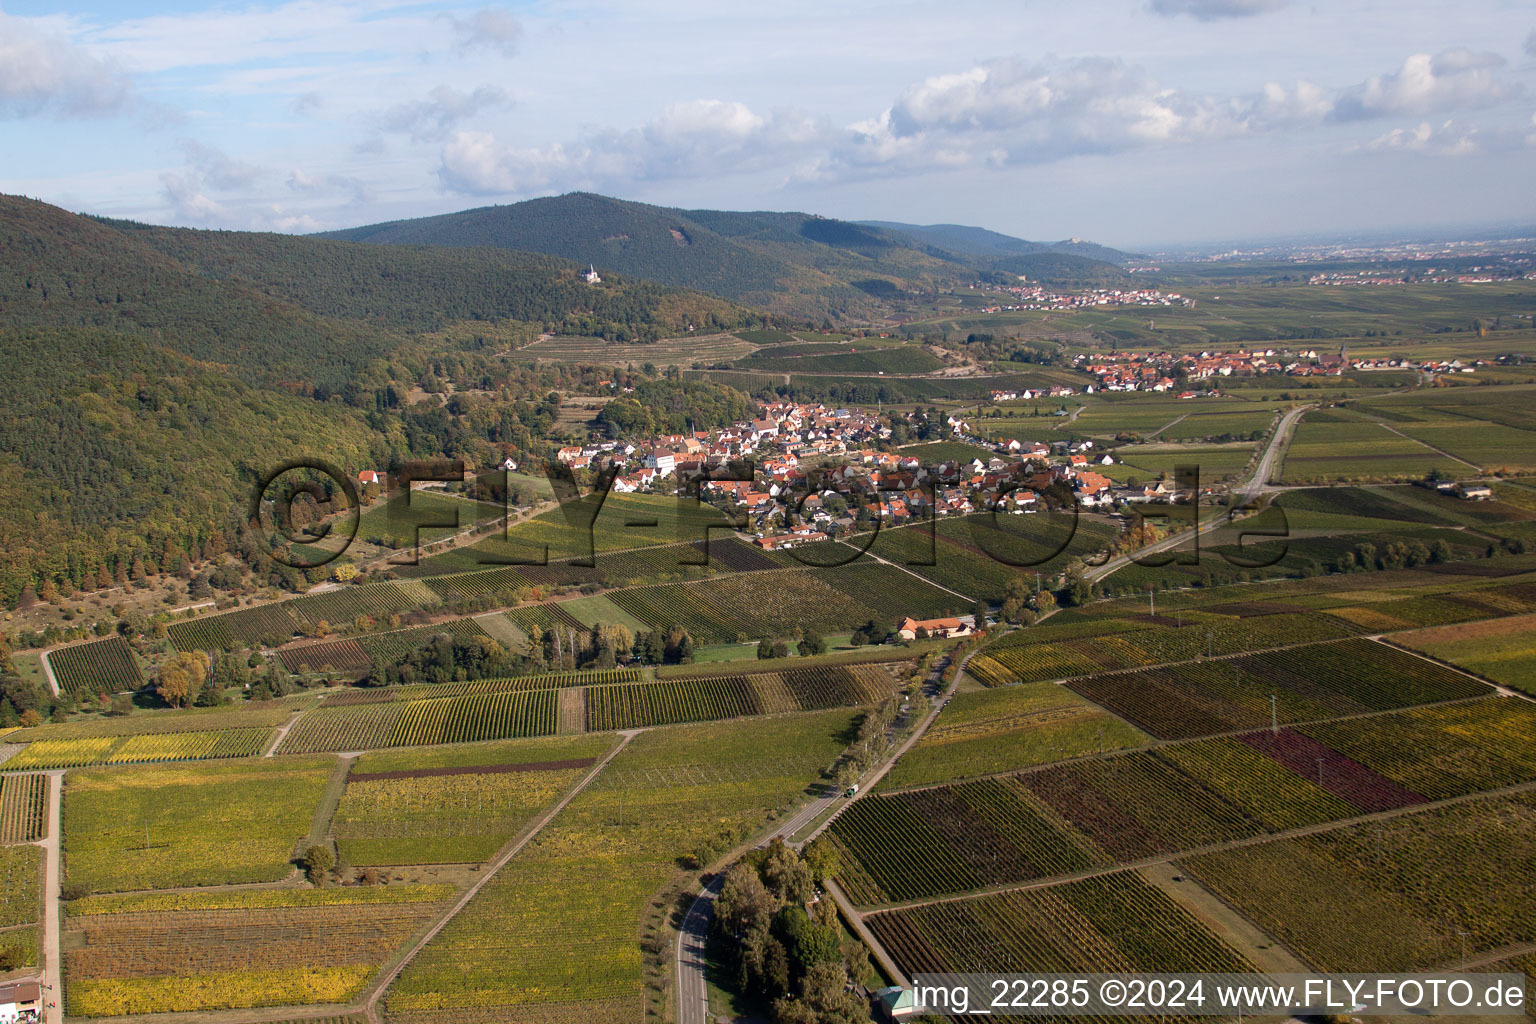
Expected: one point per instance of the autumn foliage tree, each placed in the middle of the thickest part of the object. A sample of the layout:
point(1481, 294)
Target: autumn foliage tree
point(181, 678)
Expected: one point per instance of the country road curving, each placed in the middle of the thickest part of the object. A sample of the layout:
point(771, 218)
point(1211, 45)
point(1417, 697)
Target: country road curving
point(1242, 494)
point(693, 933)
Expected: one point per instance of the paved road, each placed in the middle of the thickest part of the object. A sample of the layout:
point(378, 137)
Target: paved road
point(1278, 443)
point(50, 845)
point(692, 941)
point(693, 935)
point(1242, 494)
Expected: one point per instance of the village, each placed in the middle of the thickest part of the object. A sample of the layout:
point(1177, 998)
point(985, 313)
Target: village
point(819, 473)
point(1034, 297)
point(1170, 371)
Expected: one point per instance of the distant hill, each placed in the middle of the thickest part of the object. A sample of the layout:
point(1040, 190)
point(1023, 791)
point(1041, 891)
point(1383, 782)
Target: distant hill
point(793, 263)
point(152, 373)
point(996, 251)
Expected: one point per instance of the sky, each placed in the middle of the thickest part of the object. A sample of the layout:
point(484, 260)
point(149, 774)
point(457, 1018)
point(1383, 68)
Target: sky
point(1135, 123)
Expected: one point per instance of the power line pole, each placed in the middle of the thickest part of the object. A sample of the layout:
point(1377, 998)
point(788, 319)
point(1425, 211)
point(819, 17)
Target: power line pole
point(1274, 716)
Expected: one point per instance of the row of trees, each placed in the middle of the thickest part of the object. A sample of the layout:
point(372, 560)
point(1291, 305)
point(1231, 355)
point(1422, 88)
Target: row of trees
point(782, 940)
point(201, 679)
point(447, 658)
point(810, 643)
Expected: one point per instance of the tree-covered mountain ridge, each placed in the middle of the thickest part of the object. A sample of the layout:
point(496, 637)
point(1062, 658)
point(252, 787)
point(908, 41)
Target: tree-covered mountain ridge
point(153, 374)
point(794, 263)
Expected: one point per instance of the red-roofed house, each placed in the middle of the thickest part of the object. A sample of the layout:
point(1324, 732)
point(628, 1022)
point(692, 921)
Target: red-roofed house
point(933, 627)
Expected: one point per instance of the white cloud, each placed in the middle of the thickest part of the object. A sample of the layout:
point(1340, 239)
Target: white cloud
point(689, 139)
point(1094, 102)
point(1455, 79)
point(1212, 10)
point(492, 28)
point(1530, 44)
point(1006, 112)
point(189, 192)
point(1277, 106)
point(223, 36)
point(320, 183)
point(41, 72)
point(1011, 111)
point(1446, 139)
point(189, 203)
point(431, 119)
point(217, 168)
point(276, 218)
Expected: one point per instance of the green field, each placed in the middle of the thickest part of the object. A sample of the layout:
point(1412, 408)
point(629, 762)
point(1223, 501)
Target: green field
point(1414, 887)
point(975, 555)
point(21, 903)
point(777, 604)
point(456, 815)
point(1005, 729)
point(161, 827)
point(690, 350)
point(1492, 428)
point(579, 528)
point(854, 357)
point(934, 452)
point(1503, 650)
point(1330, 446)
point(598, 609)
point(1167, 417)
point(1215, 463)
point(394, 522)
point(1412, 317)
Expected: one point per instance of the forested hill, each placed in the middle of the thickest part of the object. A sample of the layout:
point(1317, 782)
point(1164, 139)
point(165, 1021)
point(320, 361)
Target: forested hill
point(790, 263)
point(281, 307)
point(150, 374)
point(1072, 261)
point(794, 263)
point(962, 239)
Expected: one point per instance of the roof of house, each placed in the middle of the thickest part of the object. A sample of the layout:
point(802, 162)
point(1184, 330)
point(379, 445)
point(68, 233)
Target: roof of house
point(929, 624)
point(26, 990)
